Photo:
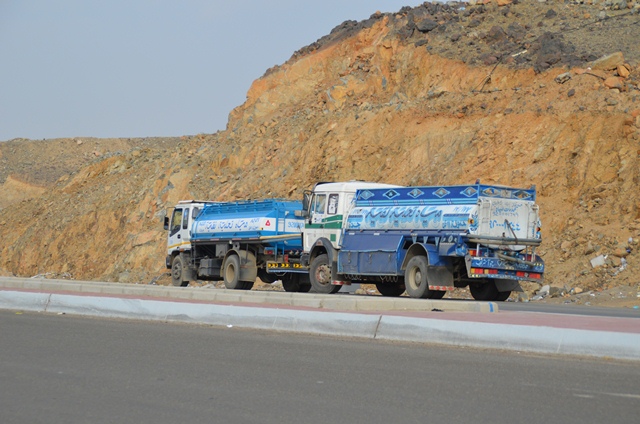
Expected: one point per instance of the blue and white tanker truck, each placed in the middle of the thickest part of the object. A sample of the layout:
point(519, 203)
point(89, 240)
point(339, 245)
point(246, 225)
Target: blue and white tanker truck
point(422, 240)
point(232, 241)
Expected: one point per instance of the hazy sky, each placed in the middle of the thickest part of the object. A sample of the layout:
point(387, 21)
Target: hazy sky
point(144, 68)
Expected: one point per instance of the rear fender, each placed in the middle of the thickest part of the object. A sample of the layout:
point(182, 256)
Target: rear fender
point(438, 273)
point(421, 249)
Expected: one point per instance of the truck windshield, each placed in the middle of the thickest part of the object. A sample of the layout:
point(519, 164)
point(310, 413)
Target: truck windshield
point(319, 203)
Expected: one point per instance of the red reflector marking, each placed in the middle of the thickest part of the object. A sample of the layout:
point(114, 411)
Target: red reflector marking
point(441, 288)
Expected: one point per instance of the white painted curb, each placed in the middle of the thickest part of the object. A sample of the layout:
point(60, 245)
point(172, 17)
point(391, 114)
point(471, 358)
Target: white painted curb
point(370, 326)
point(524, 338)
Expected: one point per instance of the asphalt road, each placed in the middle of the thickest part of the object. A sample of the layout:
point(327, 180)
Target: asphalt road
point(67, 369)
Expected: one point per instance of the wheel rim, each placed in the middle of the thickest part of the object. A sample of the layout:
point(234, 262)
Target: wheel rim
point(230, 272)
point(176, 270)
point(415, 279)
point(323, 275)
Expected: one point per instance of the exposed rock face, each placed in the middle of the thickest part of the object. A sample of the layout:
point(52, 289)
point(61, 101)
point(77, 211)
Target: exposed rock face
point(394, 99)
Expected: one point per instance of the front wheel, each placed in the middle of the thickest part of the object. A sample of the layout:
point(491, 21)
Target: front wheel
point(415, 278)
point(177, 268)
point(320, 276)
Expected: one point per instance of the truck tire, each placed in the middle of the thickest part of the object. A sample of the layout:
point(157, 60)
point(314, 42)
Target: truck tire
point(320, 276)
point(437, 294)
point(177, 268)
point(390, 290)
point(415, 278)
point(295, 283)
point(502, 296)
point(265, 277)
point(231, 275)
point(484, 290)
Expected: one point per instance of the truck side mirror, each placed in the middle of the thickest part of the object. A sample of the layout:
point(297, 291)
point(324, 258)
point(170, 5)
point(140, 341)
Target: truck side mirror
point(166, 223)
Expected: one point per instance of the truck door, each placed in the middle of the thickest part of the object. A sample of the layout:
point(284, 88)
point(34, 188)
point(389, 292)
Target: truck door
point(178, 230)
point(314, 228)
point(324, 219)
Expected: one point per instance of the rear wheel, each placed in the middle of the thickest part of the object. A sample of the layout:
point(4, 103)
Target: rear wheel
point(177, 268)
point(502, 296)
point(437, 294)
point(389, 289)
point(415, 278)
point(231, 275)
point(320, 276)
point(484, 290)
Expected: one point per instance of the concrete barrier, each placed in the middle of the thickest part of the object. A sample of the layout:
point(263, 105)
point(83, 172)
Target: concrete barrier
point(348, 302)
point(381, 326)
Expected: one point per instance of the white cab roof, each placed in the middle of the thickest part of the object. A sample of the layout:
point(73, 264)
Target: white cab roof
point(350, 186)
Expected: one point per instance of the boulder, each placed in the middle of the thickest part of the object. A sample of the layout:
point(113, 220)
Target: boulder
point(623, 71)
point(614, 82)
point(426, 25)
point(609, 62)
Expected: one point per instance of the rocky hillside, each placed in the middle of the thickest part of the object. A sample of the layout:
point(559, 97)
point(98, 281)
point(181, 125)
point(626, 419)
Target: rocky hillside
point(510, 92)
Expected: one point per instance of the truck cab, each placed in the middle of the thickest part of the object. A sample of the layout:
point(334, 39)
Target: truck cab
point(326, 209)
point(178, 224)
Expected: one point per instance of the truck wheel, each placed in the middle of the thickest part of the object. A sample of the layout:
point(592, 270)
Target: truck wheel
point(437, 294)
point(231, 273)
point(266, 277)
point(502, 296)
point(484, 290)
point(415, 278)
point(177, 266)
point(390, 290)
point(305, 283)
point(320, 276)
point(246, 285)
point(296, 283)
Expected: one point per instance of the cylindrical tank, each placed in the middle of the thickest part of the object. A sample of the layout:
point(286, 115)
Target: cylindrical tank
point(268, 221)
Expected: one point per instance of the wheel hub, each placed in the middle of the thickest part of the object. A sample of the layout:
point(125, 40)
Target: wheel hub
point(322, 275)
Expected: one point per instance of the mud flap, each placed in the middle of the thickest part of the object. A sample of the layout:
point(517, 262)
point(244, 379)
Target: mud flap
point(188, 273)
point(248, 267)
point(439, 276)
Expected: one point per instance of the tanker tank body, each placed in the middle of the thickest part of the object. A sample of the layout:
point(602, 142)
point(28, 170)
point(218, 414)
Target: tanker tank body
point(428, 240)
point(232, 241)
